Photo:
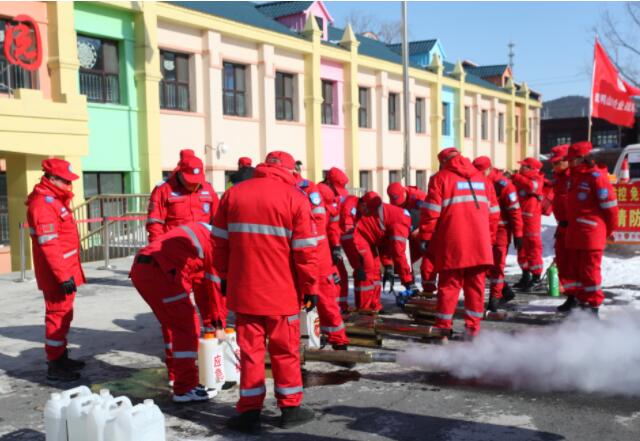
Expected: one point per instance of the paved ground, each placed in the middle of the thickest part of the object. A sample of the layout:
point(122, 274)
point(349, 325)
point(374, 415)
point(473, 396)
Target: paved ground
point(118, 336)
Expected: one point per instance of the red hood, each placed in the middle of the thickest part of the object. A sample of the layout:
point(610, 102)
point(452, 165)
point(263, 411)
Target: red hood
point(274, 172)
point(461, 166)
point(497, 176)
point(531, 174)
point(46, 188)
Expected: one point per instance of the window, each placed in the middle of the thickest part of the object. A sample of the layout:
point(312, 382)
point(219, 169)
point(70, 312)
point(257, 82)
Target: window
point(395, 176)
point(484, 125)
point(4, 210)
point(174, 87)
point(363, 110)
point(102, 183)
point(560, 138)
point(365, 180)
point(12, 76)
point(446, 131)
point(421, 179)
point(517, 128)
point(500, 127)
point(420, 127)
point(284, 96)
point(605, 138)
point(234, 90)
point(327, 102)
point(530, 131)
point(467, 122)
point(394, 104)
point(99, 69)
point(320, 22)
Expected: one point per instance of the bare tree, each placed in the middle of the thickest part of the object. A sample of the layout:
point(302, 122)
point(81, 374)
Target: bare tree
point(620, 34)
point(387, 31)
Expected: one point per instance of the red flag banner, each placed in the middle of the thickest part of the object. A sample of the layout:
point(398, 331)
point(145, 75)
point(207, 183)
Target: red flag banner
point(610, 94)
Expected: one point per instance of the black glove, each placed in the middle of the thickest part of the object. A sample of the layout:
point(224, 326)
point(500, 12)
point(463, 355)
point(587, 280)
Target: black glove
point(360, 275)
point(310, 302)
point(223, 287)
point(424, 246)
point(387, 275)
point(68, 287)
point(517, 242)
point(336, 255)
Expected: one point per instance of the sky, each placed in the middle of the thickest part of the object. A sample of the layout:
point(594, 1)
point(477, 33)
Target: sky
point(553, 40)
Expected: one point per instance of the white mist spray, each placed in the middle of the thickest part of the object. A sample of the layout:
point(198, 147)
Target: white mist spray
point(579, 354)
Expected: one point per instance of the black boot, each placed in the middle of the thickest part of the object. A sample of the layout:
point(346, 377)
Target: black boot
point(57, 370)
point(595, 312)
point(535, 279)
point(295, 416)
point(568, 304)
point(525, 279)
point(247, 422)
point(493, 304)
point(507, 294)
point(71, 364)
point(339, 347)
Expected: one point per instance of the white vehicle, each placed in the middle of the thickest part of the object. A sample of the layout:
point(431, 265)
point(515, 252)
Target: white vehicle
point(632, 153)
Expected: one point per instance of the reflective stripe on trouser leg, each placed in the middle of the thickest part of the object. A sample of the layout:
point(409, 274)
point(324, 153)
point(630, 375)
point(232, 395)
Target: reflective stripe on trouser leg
point(533, 249)
point(589, 273)
point(58, 316)
point(496, 272)
point(522, 258)
point(563, 262)
point(449, 286)
point(428, 275)
point(251, 333)
point(473, 287)
point(344, 285)
point(329, 312)
point(284, 349)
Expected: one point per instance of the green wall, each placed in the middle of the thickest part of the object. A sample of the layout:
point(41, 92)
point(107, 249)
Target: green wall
point(113, 128)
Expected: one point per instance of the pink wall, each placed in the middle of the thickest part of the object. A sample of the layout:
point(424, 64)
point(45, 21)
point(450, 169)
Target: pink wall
point(333, 135)
point(37, 11)
point(297, 21)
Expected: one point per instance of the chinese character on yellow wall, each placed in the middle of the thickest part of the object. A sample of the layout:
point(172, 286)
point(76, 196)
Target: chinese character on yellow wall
point(622, 194)
point(634, 218)
point(635, 194)
point(622, 218)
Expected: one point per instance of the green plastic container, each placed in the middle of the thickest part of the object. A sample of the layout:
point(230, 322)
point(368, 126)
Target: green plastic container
point(553, 280)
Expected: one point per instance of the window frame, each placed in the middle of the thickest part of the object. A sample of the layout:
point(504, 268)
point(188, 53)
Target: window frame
point(284, 99)
point(421, 127)
point(235, 92)
point(501, 127)
point(13, 70)
point(421, 179)
point(393, 115)
point(446, 130)
point(395, 176)
point(165, 84)
point(484, 125)
point(364, 111)
point(467, 122)
point(103, 73)
point(365, 179)
point(517, 123)
point(327, 111)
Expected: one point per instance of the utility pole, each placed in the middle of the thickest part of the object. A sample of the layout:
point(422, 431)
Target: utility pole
point(405, 83)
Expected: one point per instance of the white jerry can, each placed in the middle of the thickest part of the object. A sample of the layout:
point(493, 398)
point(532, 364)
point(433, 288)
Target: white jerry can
point(78, 414)
point(143, 422)
point(211, 362)
point(103, 416)
point(310, 327)
point(231, 357)
point(55, 412)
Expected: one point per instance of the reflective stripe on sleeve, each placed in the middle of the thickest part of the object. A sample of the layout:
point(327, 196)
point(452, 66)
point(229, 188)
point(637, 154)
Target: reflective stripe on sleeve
point(153, 220)
point(503, 222)
point(514, 206)
point(535, 185)
point(288, 390)
point(332, 328)
point(298, 244)
point(256, 391)
point(293, 318)
point(609, 204)
point(219, 232)
point(494, 209)
point(46, 238)
point(194, 240)
point(473, 313)
point(69, 254)
point(527, 214)
point(185, 354)
point(464, 198)
point(54, 343)
point(212, 277)
point(269, 230)
point(175, 298)
point(319, 210)
point(587, 222)
point(432, 207)
point(334, 219)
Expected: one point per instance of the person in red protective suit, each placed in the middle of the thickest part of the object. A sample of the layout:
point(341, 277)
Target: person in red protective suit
point(164, 273)
point(245, 171)
point(331, 323)
point(185, 197)
point(458, 226)
point(510, 224)
point(56, 261)
point(386, 228)
point(412, 198)
point(592, 215)
point(529, 182)
point(546, 204)
point(349, 215)
point(560, 184)
point(266, 250)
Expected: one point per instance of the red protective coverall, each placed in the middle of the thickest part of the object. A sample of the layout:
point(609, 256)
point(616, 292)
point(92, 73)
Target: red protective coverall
point(460, 222)
point(331, 322)
point(592, 215)
point(349, 215)
point(510, 223)
point(180, 258)
point(172, 205)
point(385, 227)
point(266, 249)
point(529, 185)
point(560, 205)
point(56, 258)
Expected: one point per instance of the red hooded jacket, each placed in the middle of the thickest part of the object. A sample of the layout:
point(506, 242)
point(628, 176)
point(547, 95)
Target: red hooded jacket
point(529, 185)
point(349, 214)
point(55, 240)
point(266, 244)
point(560, 194)
point(510, 213)
point(460, 217)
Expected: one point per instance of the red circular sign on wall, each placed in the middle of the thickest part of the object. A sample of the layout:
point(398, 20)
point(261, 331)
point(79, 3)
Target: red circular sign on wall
point(22, 44)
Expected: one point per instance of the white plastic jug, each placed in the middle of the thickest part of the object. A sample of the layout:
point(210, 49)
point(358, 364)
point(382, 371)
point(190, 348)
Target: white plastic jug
point(211, 362)
point(55, 425)
point(231, 356)
point(78, 414)
point(143, 422)
point(103, 415)
point(310, 327)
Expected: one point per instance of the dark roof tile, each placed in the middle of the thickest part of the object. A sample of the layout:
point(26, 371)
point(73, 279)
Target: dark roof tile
point(415, 47)
point(282, 9)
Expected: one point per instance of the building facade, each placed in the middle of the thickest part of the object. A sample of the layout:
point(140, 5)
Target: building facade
point(124, 86)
